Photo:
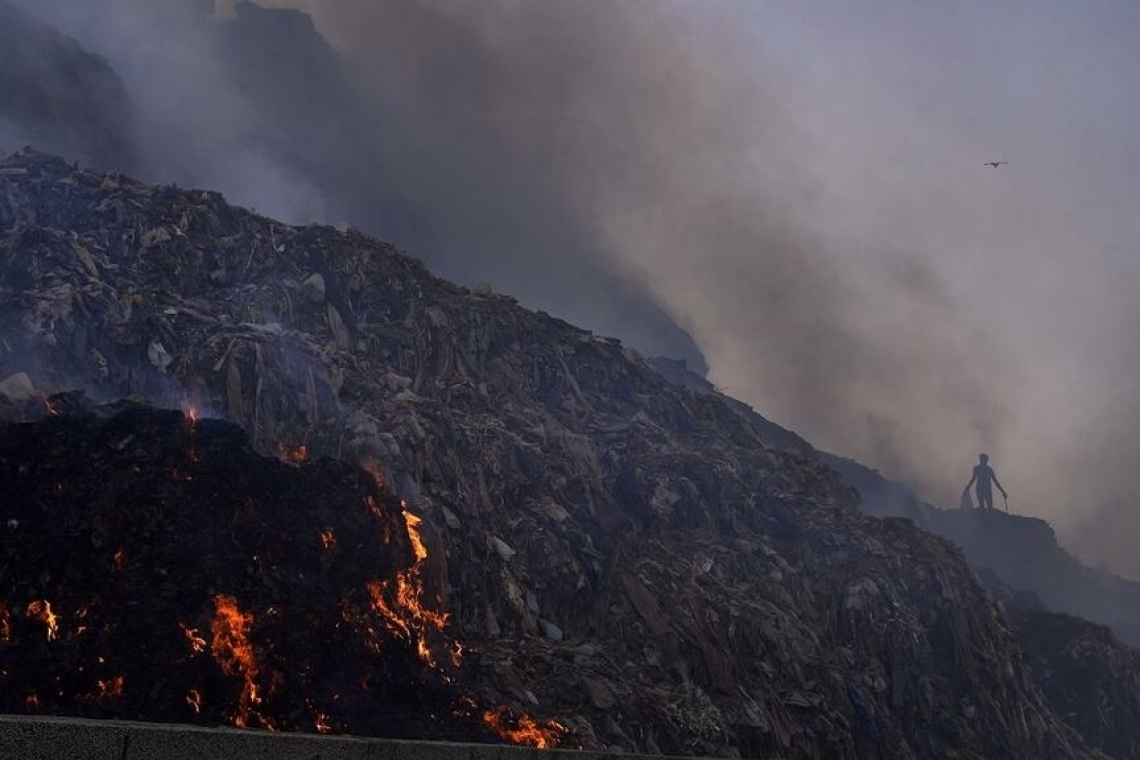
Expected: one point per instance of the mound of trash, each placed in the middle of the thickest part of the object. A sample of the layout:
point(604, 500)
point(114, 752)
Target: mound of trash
point(634, 560)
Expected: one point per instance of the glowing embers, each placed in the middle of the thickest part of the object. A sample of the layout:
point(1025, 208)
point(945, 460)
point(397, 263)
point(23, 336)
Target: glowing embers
point(52, 407)
point(414, 536)
point(525, 730)
point(5, 625)
point(328, 539)
point(196, 642)
point(295, 455)
point(41, 610)
point(108, 690)
point(233, 651)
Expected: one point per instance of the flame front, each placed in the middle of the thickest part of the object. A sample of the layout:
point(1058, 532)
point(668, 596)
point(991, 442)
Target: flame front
point(399, 603)
point(527, 731)
point(234, 653)
point(41, 610)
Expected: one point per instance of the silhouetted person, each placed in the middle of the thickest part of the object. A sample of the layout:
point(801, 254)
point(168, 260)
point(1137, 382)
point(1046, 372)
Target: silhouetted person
point(985, 477)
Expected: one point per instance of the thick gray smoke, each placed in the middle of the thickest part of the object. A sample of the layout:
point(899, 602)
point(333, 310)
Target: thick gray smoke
point(798, 186)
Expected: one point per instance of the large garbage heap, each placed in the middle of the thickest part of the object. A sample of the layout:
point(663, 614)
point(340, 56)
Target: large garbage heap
point(634, 560)
point(155, 567)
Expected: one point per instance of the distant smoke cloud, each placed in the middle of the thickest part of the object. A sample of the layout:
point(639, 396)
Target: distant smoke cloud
point(799, 186)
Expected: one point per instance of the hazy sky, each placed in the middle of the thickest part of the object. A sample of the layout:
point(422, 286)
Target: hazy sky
point(799, 185)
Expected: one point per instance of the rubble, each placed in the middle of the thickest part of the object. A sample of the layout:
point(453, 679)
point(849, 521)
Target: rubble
point(713, 593)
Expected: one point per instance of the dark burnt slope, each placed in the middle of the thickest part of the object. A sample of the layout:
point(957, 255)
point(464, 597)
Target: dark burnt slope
point(155, 567)
point(634, 559)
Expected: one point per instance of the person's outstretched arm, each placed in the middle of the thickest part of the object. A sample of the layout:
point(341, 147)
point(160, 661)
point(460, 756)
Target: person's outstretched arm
point(998, 484)
point(973, 477)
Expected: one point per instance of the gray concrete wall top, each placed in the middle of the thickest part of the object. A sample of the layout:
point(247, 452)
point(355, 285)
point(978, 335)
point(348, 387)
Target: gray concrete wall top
point(38, 738)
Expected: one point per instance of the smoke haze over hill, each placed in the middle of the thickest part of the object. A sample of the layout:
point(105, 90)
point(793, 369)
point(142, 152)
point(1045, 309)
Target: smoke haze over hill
point(799, 187)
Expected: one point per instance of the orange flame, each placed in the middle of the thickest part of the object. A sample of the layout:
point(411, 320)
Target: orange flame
point(328, 539)
point(414, 536)
point(322, 723)
point(234, 653)
point(527, 731)
point(52, 407)
point(400, 603)
point(41, 611)
point(197, 643)
point(119, 558)
point(194, 699)
point(32, 701)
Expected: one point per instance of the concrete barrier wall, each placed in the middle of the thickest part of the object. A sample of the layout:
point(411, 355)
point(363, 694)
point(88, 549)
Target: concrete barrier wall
point(35, 738)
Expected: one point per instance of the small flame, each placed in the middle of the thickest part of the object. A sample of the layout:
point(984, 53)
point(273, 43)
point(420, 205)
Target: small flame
point(234, 653)
point(322, 723)
point(414, 536)
point(295, 455)
point(328, 539)
point(5, 624)
point(41, 611)
point(194, 699)
point(52, 408)
point(32, 701)
point(527, 731)
point(197, 643)
point(119, 558)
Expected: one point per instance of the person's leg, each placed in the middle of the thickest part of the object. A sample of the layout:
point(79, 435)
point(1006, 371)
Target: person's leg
point(986, 499)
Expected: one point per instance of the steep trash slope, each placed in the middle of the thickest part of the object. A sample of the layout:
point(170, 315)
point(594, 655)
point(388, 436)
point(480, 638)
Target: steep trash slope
point(631, 558)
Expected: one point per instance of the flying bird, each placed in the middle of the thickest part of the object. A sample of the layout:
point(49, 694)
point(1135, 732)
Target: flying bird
point(995, 164)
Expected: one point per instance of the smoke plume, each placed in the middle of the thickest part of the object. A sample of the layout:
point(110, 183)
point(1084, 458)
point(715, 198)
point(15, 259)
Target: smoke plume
point(798, 187)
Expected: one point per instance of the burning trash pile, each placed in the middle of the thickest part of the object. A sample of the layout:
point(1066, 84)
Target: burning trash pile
point(640, 562)
point(155, 567)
